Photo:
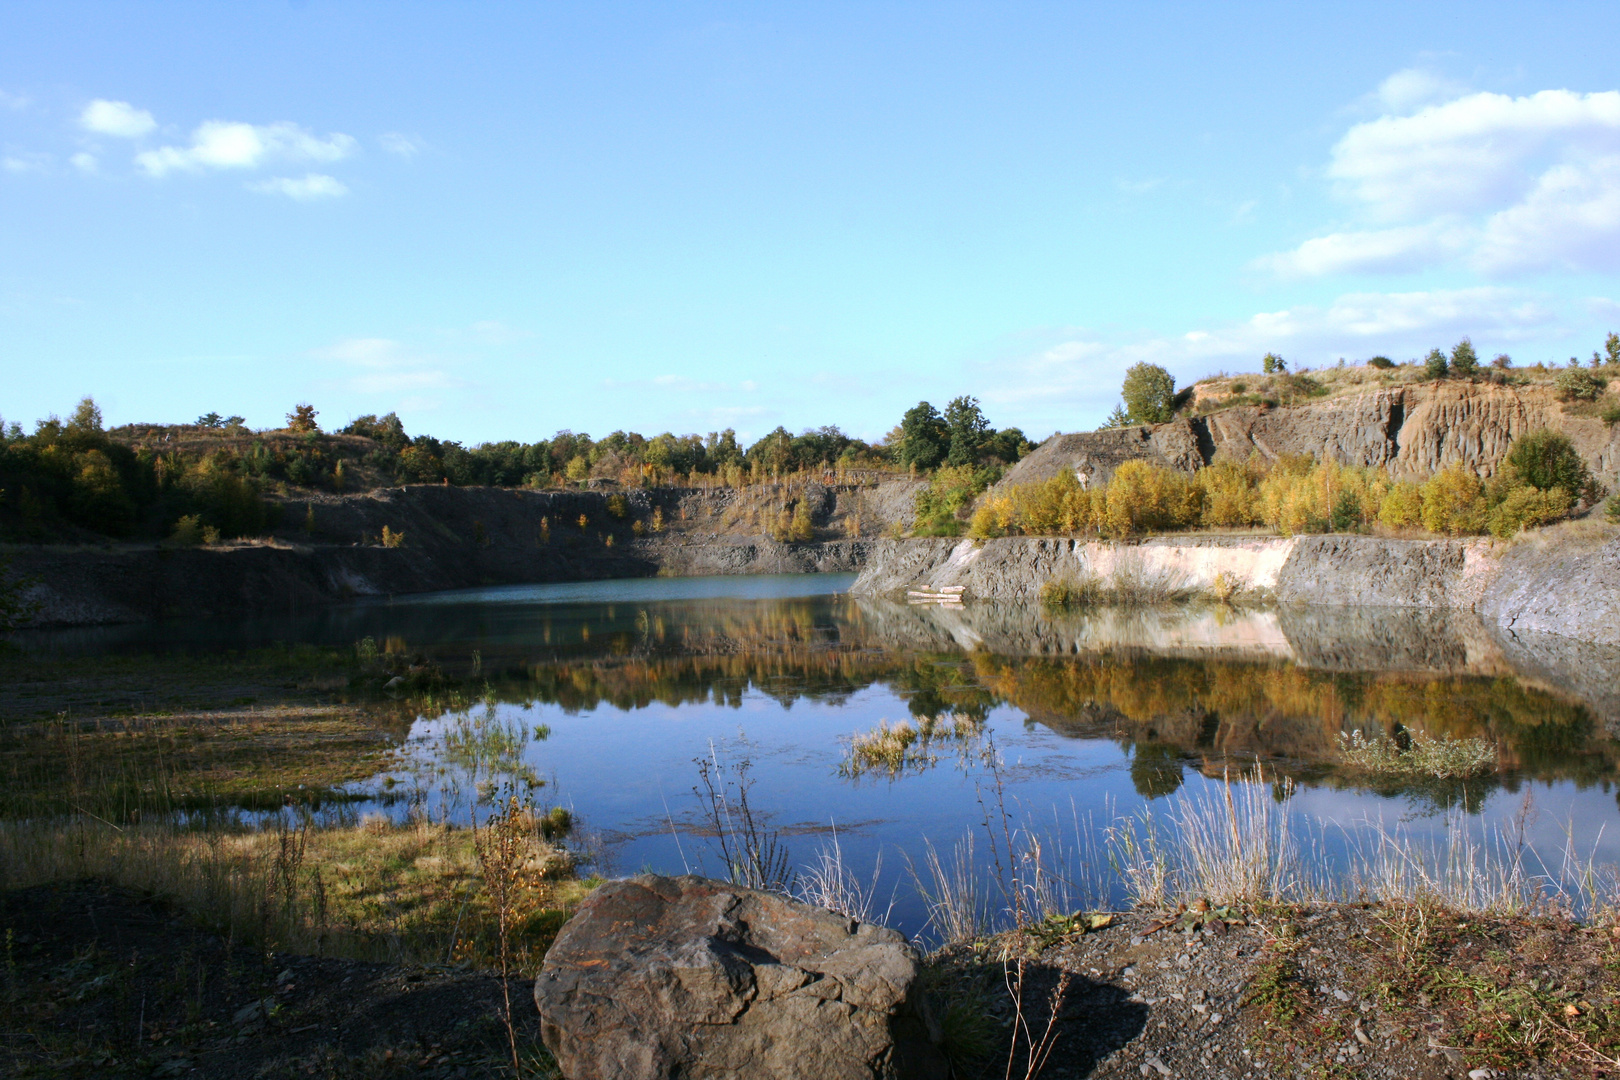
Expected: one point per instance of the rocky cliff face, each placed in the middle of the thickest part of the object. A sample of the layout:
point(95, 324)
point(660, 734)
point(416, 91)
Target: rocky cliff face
point(1566, 583)
point(1411, 431)
point(329, 547)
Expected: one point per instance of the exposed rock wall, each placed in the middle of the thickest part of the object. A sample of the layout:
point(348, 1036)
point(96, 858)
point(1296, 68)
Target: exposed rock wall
point(1565, 583)
point(1410, 430)
point(328, 548)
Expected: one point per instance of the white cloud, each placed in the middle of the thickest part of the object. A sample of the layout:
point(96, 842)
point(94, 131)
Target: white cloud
point(1497, 183)
point(403, 145)
point(389, 367)
point(306, 188)
point(1408, 89)
point(366, 352)
point(1405, 247)
point(24, 161)
point(14, 102)
point(1478, 152)
point(85, 163)
point(117, 118)
point(218, 144)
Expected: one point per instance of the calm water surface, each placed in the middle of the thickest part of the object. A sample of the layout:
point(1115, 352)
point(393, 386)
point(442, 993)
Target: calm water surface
point(606, 694)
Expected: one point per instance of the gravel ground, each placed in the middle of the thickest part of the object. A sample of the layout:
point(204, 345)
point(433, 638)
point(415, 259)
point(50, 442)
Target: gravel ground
point(1344, 991)
point(105, 982)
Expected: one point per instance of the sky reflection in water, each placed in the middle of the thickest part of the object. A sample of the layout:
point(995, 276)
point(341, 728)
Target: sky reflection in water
point(1092, 716)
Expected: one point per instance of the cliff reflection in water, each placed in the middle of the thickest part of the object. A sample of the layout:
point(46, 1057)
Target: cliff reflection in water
point(1200, 687)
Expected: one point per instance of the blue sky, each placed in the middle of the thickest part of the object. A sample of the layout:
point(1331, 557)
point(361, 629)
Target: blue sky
point(502, 220)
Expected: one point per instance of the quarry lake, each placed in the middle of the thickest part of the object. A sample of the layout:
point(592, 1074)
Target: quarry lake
point(1069, 745)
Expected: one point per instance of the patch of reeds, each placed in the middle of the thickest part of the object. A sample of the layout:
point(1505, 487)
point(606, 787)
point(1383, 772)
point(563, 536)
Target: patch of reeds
point(1436, 756)
point(1237, 843)
point(369, 889)
point(828, 882)
point(1128, 586)
point(902, 747)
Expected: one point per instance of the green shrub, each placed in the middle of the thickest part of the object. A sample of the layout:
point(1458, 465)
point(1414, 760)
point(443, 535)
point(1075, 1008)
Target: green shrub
point(1547, 459)
point(951, 490)
point(1382, 363)
point(1522, 506)
point(1435, 365)
point(1578, 384)
point(187, 531)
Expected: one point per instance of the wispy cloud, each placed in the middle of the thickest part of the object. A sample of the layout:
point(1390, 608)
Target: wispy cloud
point(85, 163)
point(116, 118)
point(24, 161)
point(400, 144)
point(388, 367)
point(13, 102)
point(218, 144)
point(305, 188)
point(1080, 372)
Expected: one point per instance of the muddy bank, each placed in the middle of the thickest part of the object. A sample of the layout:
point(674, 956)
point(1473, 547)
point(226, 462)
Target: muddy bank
point(329, 548)
point(1564, 582)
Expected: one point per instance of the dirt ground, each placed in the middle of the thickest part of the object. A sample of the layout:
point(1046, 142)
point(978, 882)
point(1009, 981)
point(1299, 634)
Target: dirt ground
point(1345, 991)
point(102, 982)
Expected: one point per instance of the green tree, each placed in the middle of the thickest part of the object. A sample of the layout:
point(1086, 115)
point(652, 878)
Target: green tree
point(1547, 459)
point(210, 420)
point(924, 437)
point(302, 419)
point(1150, 394)
point(968, 430)
point(1272, 364)
point(86, 419)
point(1464, 361)
point(1435, 365)
point(1118, 418)
point(1008, 445)
point(1611, 348)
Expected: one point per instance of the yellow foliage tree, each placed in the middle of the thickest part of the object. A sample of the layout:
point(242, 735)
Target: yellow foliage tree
point(1454, 502)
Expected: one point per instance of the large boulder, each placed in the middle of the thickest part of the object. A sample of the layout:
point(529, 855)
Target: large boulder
point(659, 977)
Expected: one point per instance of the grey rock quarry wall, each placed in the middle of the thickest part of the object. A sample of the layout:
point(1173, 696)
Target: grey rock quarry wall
point(329, 548)
point(1409, 430)
point(1565, 582)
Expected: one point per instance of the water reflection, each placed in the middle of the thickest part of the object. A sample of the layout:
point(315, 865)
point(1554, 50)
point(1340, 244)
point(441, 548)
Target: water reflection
point(603, 700)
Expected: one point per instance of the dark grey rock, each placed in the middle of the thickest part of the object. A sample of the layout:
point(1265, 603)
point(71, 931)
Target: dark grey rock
point(657, 977)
